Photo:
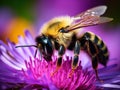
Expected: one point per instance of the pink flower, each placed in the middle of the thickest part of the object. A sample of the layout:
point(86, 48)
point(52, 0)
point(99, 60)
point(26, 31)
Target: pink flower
point(20, 70)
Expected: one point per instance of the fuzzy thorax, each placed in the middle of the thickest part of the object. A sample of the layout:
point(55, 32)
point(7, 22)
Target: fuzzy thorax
point(52, 27)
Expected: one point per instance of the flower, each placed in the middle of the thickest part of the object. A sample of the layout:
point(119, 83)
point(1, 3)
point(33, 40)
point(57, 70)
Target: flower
point(20, 70)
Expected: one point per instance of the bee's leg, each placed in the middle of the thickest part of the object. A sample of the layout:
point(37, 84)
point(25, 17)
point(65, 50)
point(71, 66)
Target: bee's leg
point(95, 66)
point(93, 52)
point(96, 48)
point(75, 61)
point(38, 48)
point(61, 52)
point(35, 53)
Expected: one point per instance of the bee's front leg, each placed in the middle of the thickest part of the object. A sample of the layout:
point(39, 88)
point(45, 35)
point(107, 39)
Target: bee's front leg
point(61, 52)
point(75, 61)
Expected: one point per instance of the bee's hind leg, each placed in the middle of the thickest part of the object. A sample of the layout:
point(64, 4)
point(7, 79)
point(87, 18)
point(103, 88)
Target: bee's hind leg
point(95, 66)
point(61, 52)
point(75, 61)
point(93, 52)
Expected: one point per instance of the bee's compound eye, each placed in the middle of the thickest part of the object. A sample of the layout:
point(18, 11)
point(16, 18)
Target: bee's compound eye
point(62, 30)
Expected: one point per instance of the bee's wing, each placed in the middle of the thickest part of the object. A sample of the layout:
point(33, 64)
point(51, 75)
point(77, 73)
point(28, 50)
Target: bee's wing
point(88, 22)
point(89, 18)
point(96, 11)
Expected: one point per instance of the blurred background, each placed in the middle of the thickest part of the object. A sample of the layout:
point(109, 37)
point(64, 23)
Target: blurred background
point(19, 15)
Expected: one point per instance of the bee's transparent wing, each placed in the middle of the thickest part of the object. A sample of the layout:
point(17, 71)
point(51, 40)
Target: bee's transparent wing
point(96, 11)
point(88, 22)
point(89, 18)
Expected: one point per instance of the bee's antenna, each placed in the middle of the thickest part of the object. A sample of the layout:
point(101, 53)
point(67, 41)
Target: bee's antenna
point(29, 46)
point(26, 46)
point(39, 45)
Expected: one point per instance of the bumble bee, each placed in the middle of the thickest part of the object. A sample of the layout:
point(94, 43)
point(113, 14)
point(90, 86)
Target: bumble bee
point(60, 33)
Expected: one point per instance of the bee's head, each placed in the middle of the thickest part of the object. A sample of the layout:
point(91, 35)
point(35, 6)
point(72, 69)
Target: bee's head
point(41, 40)
point(46, 46)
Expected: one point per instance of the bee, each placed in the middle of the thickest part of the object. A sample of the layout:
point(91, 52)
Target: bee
point(60, 34)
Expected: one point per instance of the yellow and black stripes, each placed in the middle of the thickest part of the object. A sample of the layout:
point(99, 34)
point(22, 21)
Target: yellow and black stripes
point(98, 47)
point(103, 54)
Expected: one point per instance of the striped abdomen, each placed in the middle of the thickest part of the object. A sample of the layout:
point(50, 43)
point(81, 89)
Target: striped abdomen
point(95, 47)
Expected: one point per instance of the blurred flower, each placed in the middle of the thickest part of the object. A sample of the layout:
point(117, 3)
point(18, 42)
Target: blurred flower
point(11, 25)
point(20, 70)
point(16, 26)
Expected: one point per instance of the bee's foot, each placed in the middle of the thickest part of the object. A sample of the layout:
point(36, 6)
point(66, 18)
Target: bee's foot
point(55, 71)
point(71, 73)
